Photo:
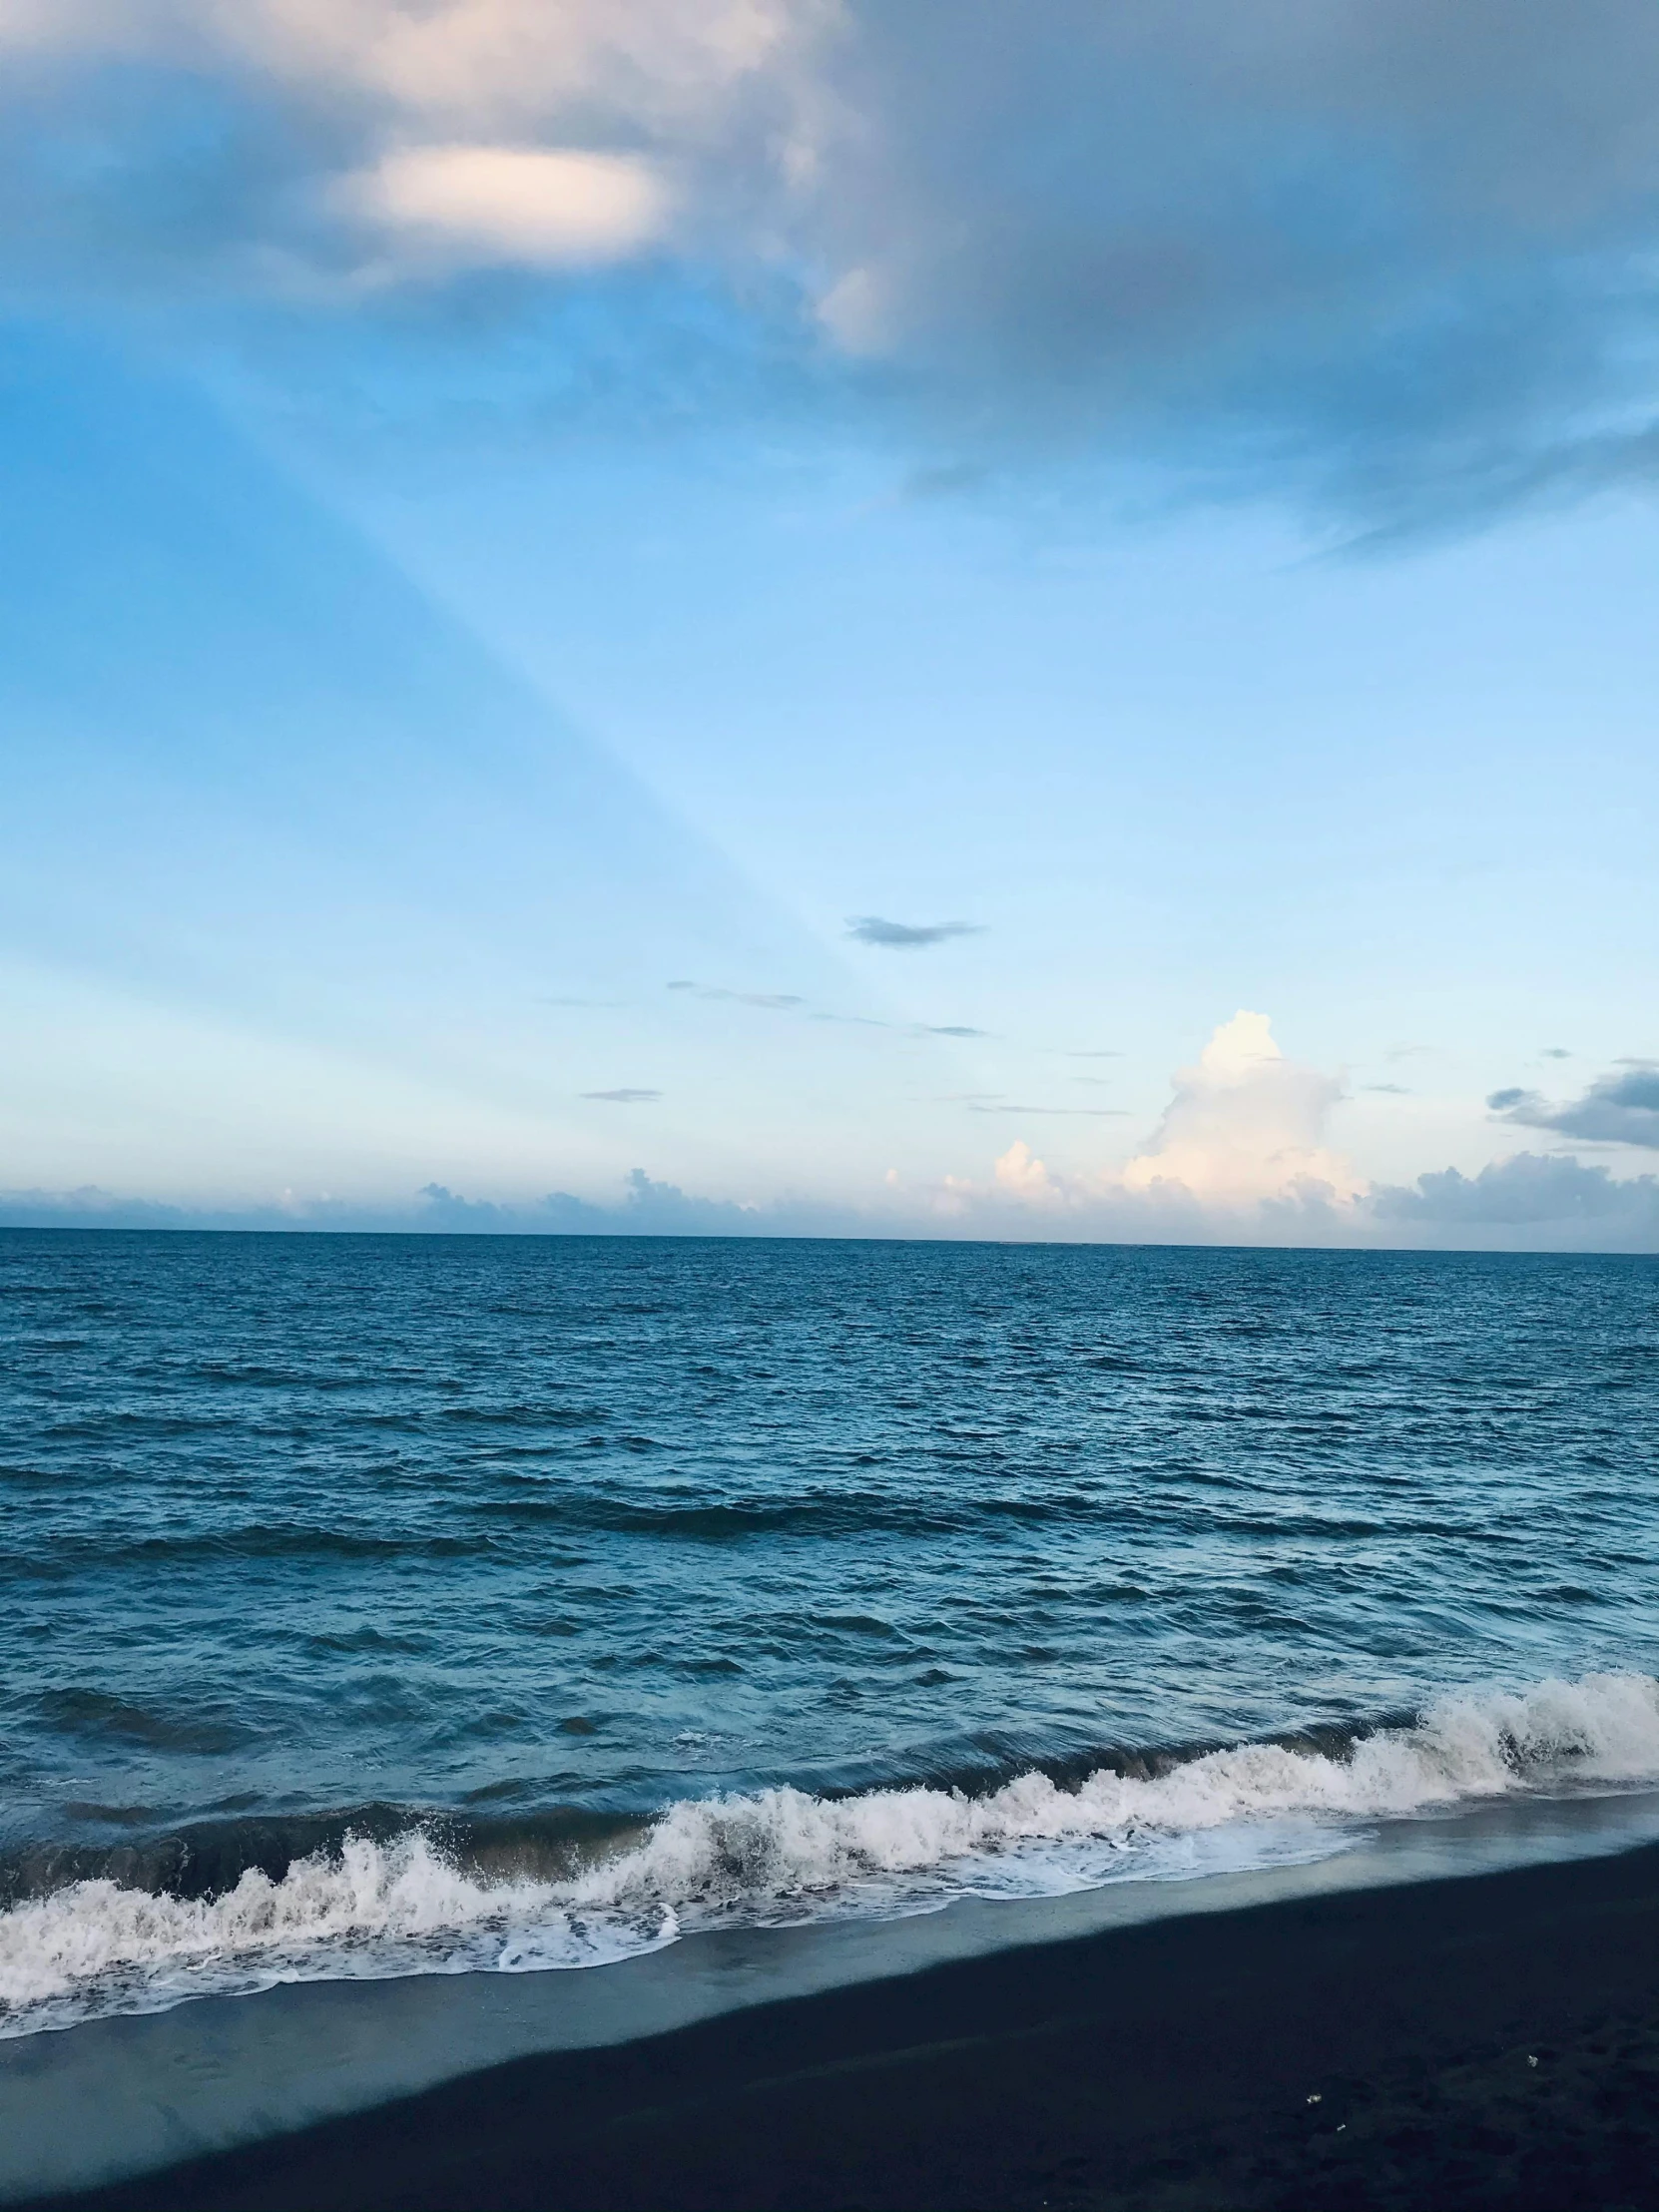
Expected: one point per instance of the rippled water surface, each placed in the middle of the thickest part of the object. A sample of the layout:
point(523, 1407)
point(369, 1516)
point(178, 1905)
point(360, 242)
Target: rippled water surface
point(547, 1534)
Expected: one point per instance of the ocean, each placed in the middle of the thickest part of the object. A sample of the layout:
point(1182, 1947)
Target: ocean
point(396, 1605)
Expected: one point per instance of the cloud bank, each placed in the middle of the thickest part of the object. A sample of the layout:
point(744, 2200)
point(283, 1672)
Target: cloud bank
point(1240, 1156)
point(1383, 252)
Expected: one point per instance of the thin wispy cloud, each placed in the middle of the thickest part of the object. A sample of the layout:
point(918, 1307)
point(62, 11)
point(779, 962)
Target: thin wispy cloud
point(778, 1002)
point(1082, 1113)
point(627, 1095)
point(907, 936)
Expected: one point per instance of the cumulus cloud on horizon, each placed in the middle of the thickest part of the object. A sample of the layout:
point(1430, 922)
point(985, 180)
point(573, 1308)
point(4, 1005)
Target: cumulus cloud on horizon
point(1384, 254)
point(1245, 1128)
point(1529, 1191)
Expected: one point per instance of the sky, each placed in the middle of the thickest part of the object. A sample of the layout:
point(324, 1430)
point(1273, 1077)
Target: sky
point(800, 616)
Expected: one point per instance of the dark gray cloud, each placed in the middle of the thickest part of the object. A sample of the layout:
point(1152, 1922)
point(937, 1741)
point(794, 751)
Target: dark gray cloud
point(625, 1096)
point(1621, 1107)
point(1384, 248)
point(1388, 254)
point(1533, 1191)
point(902, 937)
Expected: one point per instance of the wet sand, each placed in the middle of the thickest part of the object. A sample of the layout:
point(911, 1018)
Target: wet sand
point(1492, 2040)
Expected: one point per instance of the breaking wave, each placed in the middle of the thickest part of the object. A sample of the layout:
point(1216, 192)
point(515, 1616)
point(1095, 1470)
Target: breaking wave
point(404, 1903)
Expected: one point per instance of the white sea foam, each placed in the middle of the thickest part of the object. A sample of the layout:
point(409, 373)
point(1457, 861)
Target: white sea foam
point(782, 1855)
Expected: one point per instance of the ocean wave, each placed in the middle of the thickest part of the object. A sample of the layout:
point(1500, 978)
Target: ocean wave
point(388, 1904)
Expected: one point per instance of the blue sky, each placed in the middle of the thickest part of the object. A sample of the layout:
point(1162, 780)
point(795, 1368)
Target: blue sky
point(531, 526)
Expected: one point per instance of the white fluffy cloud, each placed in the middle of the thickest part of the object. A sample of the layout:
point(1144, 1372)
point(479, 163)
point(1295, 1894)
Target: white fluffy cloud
point(1242, 1138)
point(523, 205)
point(469, 133)
point(1244, 1125)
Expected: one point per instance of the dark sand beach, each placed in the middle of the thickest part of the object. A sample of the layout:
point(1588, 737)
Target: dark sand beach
point(1492, 2040)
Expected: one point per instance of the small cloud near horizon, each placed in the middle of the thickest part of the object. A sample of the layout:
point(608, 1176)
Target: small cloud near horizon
point(906, 936)
point(626, 1096)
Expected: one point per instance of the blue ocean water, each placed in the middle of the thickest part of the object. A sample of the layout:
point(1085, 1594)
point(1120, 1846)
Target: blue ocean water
point(372, 1602)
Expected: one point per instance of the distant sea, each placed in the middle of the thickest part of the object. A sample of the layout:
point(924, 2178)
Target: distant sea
point(377, 1605)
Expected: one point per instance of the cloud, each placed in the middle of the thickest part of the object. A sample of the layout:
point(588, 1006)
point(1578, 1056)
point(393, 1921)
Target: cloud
point(1556, 1052)
point(1239, 1154)
point(647, 1208)
point(625, 1096)
point(771, 1002)
point(949, 1029)
point(1374, 253)
point(1621, 1107)
point(1529, 1192)
point(1246, 1125)
point(540, 208)
point(1388, 1090)
point(1526, 1203)
point(898, 937)
point(1083, 1113)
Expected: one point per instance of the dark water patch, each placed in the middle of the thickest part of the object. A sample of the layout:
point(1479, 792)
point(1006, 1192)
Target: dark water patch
point(96, 1713)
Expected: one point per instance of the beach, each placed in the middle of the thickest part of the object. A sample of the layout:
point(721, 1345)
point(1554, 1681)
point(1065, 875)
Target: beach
point(1487, 2040)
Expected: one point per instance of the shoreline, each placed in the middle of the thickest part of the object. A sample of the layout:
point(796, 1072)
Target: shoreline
point(1169, 2062)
